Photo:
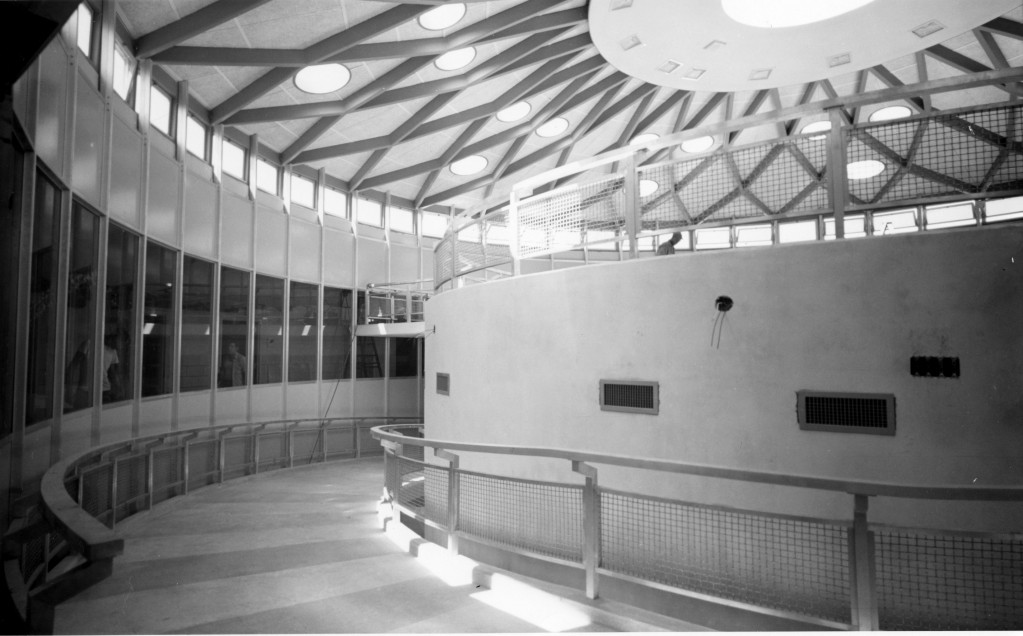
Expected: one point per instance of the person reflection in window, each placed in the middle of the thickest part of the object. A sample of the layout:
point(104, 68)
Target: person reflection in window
point(232, 367)
point(111, 371)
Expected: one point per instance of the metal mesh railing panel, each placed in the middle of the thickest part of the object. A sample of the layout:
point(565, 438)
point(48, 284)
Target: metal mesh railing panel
point(411, 482)
point(944, 582)
point(552, 223)
point(307, 447)
point(339, 442)
point(202, 463)
point(443, 261)
point(532, 516)
point(33, 555)
point(787, 564)
point(167, 473)
point(436, 491)
point(237, 456)
point(131, 485)
point(273, 450)
point(368, 445)
point(96, 490)
point(947, 155)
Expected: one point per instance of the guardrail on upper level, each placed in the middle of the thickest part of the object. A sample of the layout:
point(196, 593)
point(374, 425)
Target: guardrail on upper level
point(844, 574)
point(394, 302)
point(69, 544)
point(931, 158)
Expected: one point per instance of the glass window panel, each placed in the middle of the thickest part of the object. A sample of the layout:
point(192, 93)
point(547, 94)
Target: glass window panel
point(369, 357)
point(897, 222)
point(854, 227)
point(497, 235)
point(434, 224)
point(119, 330)
point(404, 357)
point(233, 158)
point(234, 328)
point(196, 325)
point(268, 349)
point(753, 235)
point(337, 333)
point(195, 137)
point(42, 323)
point(1003, 209)
point(369, 212)
point(335, 202)
point(160, 110)
point(713, 238)
point(470, 233)
point(124, 72)
point(266, 176)
point(81, 310)
point(601, 240)
point(158, 321)
point(303, 318)
point(956, 215)
point(303, 191)
point(797, 231)
point(402, 220)
point(85, 25)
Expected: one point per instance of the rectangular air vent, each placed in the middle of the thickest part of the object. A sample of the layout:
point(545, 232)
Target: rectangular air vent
point(872, 413)
point(629, 396)
point(444, 383)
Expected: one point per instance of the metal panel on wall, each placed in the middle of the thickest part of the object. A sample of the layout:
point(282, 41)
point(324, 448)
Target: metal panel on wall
point(271, 241)
point(372, 262)
point(200, 215)
point(404, 263)
point(87, 169)
point(162, 209)
point(53, 86)
point(125, 174)
point(338, 248)
point(236, 228)
point(305, 250)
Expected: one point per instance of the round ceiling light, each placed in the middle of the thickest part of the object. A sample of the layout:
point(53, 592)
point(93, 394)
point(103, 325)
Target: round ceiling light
point(442, 17)
point(322, 78)
point(647, 187)
point(864, 169)
point(469, 165)
point(890, 112)
point(816, 127)
point(454, 60)
point(553, 128)
point(775, 14)
point(696, 145)
point(515, 112)
point(645, 138)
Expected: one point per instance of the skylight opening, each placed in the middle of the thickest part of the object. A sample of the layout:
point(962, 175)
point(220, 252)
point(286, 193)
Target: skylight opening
point(889, 113)
point(864, 169)
point(442, 17)
point(515, 112)
point(648, 187)
point(322, 78)
point(473, 164)
point(553, 128)
point(645, 138)
point(700, 144)
point(816, 127)
point(454, 60)
point(776, 14)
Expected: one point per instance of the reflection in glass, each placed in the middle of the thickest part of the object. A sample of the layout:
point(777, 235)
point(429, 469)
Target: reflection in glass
point(234, 327)
point(196, 324)
point(158, 321)
point(404, 357)
point(268, 352)
point(81, 310)
point(302, 321)
point(337, 333)
point(119, 330)
point(369, 357)
point(42, 314)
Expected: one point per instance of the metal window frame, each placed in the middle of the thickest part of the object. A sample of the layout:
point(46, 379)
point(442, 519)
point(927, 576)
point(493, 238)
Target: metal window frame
point(888, 398)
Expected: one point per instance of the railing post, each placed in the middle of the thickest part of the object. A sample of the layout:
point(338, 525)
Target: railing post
point(452, 497)
point(631, 195)
point(221, 455)
point(290, 441)
point(838, 184)
point(149, 480)
point(356, 442)
point(184, 468)
point(591, 525)
point(862, 587)
point(113, 492)
point(255, 450)
point(513, 231)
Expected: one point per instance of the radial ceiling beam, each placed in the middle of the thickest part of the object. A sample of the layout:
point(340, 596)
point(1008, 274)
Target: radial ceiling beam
point(680, 120)
point(192, 25)
point(965, 64)
point(755, 104)
point(1005, 26)
point(366, 29)
point(861, 86)
point(449, 155)
point(808, 91)
point(890, 80)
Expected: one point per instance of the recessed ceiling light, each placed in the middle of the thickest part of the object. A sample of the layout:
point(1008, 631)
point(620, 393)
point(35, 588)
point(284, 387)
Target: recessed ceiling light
point(696, 145)
point(645, 138)
point(553, 128)
point(760, 73)
point(890, 112)
point(694, 73)
point(322, 78)
point(515, 112)
point(620, 4)
point(647, 187)
point(469, 165)
point(816, 127)
point(669, 67)
point(713, 45)
point(839, 60)
point(927, 28)
point(774, 14)
point(454, 60)
point(630, 42)
point(442, 17)
point(864, 169)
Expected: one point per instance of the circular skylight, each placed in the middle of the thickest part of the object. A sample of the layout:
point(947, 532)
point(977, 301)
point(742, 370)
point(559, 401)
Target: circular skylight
point(515, 112)
point(454, 60)
point(864, 169)
point(696, 145)
point(322, 78)
point(553, 128)
point(816, 127)
point(645, 138)
point(775, 14)
point(442, 17)
point(647, 187)
point(469, 165)
point(890, 112)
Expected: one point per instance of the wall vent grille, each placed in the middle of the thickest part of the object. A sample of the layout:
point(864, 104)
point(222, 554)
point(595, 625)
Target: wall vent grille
point(871, 413)
point(444, 383)
point(629, 396)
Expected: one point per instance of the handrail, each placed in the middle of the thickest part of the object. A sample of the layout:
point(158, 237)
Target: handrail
point(853, 487)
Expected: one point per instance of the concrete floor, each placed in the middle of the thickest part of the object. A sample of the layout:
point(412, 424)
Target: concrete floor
point(300, 551)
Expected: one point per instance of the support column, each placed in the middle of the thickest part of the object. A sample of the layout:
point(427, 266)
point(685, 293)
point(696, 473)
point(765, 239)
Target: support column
point(838, 180)
point(631, 189)
point(591, 526)
point(453, 495)
point(861, 567)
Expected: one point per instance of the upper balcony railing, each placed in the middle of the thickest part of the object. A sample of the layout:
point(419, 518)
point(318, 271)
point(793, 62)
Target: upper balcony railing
point(834, 180)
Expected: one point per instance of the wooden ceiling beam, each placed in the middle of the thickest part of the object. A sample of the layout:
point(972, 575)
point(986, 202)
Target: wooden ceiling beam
point(191, 25)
